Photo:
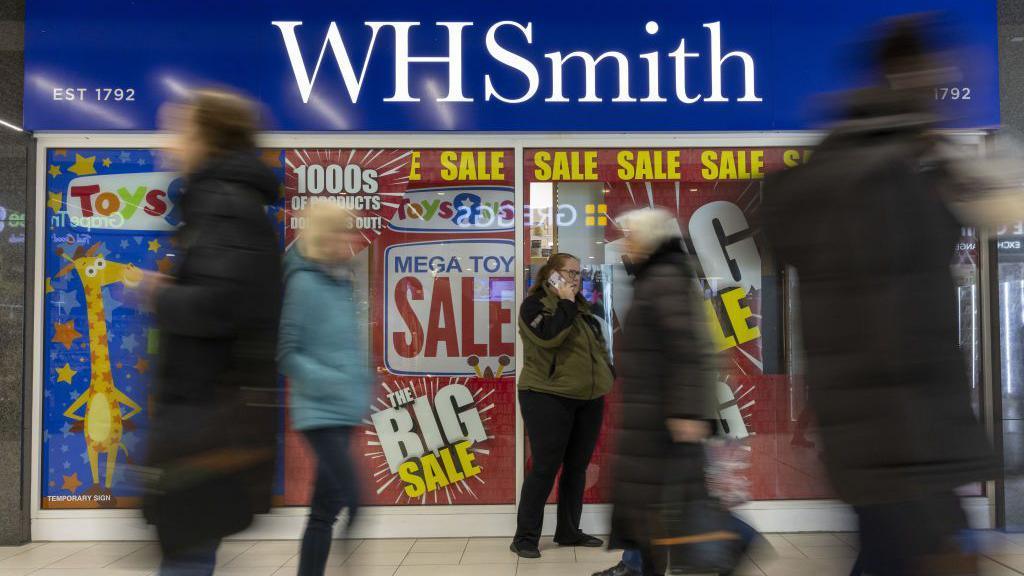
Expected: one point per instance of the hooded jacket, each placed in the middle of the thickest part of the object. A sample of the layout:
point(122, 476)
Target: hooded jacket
point(321, 349)
point(214, 418)
point(866, 226)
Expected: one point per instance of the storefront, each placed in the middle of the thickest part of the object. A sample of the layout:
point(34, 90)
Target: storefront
point(473, 142)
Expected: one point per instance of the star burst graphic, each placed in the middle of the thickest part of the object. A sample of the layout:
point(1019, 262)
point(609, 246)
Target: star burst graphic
point(390, 165)
point(388, 484)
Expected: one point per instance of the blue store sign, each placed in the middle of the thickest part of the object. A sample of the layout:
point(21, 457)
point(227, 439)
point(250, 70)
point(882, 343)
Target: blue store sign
point(531, 65)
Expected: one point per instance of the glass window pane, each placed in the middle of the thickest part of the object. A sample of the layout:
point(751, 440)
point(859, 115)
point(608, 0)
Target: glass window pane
point(574, 197)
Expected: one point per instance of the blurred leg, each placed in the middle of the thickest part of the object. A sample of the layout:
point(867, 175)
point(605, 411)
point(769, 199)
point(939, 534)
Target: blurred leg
point(914, 538)
point(634, 560)
point(199, 561)
point(649, 566)
point(332, 493)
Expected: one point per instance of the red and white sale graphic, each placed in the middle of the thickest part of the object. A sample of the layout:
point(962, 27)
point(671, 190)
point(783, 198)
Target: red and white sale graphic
point(441, 441)
point(370, 182)
point(449, 307)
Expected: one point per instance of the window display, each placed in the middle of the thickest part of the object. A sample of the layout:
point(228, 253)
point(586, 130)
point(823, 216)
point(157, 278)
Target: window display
point(438, 295)
point(437, 282)
point(575, 195)
point(109, 216)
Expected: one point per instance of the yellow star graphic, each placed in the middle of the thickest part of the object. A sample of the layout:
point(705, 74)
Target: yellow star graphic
point(54, 201)
point(83, 166)
point(49, 286)
point(154, 245)
point(106, 162)
point(54, 170)
point(66, 374)
point(72, 483)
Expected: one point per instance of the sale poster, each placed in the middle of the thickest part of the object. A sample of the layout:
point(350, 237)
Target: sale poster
point(574, 197)
point(437, 261)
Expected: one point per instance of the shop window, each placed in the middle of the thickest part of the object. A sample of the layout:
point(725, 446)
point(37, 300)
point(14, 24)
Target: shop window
point(574, 197)
point(437, 283)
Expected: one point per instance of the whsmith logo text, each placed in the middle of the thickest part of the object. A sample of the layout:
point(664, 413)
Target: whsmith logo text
point(707, 58)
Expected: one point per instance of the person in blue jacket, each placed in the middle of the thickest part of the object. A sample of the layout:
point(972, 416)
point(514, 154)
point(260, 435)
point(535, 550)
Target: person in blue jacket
point(323, 354)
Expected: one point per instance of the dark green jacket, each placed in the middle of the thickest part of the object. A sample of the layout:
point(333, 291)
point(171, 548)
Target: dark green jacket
point(563, 347)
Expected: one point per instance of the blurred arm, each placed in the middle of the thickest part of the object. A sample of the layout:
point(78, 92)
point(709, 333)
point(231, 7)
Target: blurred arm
point(683, 335)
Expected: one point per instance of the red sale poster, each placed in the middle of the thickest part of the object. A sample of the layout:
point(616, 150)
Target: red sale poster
point(438, 258)
point(574, 196)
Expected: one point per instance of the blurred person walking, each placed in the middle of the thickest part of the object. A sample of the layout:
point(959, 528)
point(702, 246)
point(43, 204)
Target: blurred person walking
point(868, 225)
point(324, 356)
point(667, 403)
point(567, 371)
point(212, 444)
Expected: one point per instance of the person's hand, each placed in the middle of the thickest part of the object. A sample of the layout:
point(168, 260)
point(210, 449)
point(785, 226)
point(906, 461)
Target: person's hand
point(566, 291)
point(688, 431)
point(150, 286)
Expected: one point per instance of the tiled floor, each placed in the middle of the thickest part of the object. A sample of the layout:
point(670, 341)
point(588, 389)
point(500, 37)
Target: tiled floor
point(779, 555)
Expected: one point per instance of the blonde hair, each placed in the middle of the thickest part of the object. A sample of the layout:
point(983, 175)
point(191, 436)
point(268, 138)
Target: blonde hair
point(649, 228)
point(323, 218)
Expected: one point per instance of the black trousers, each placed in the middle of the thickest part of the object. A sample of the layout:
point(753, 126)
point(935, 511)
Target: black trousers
point(897, 538)
point(563, 433)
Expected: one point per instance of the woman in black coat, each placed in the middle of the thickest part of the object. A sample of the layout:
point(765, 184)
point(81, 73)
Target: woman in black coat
point(866, 226)
point(212, 442)
point(667, 374)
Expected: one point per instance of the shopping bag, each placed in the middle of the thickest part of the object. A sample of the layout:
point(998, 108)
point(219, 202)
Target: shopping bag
point(698, 537)
point(728, 461)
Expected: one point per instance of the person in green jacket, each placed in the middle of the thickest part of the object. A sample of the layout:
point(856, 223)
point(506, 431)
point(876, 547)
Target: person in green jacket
point(324, 356)
point(566, 373)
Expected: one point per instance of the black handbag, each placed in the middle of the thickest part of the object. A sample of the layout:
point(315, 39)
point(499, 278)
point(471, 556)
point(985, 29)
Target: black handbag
point(694, 533)
point(698, 537)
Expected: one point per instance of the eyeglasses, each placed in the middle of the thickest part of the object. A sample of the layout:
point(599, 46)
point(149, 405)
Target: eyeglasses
point(570, 274)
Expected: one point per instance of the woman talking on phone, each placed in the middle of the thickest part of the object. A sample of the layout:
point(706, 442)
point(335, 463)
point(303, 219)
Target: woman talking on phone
point(566, 374)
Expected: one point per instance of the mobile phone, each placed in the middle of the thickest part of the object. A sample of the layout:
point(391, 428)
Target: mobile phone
point(556, 280)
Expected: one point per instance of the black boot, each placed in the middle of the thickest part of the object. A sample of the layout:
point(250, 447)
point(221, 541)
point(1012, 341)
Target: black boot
point(619, 569)
point(523, 550)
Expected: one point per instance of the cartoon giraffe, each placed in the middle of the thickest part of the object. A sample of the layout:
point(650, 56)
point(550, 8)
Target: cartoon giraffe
point(103, 423)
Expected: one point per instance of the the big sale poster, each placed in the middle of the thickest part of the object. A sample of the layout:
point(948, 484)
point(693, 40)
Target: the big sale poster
point(437, 257)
